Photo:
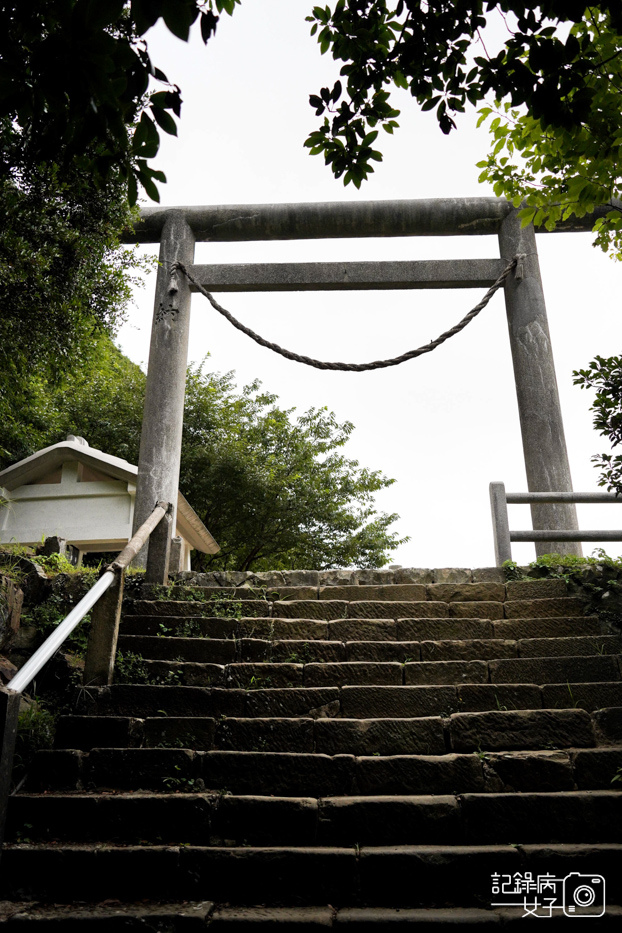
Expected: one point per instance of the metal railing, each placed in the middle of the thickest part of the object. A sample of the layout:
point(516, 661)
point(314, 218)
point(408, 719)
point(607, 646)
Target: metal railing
point(503, 536)
point(104, 598)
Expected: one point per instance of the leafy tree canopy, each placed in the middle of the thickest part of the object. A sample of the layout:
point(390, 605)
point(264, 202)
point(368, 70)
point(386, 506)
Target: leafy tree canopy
point(605, 375)
point(77, 82)
point(275, 490)
point(433, 49)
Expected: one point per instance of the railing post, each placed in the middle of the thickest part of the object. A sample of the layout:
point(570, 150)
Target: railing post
point(160, 440)
point(102, 643)
point(159, 552)
point(542, 429)
point(500, 523)
point(9, 711)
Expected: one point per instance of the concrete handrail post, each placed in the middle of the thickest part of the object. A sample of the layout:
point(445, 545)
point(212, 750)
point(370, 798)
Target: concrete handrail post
point(542, 429)
point(160, 441)
point(9, 712)
point(500, 523)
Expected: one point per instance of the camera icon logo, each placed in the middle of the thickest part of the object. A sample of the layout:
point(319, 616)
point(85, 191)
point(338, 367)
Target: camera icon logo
point(584, 895)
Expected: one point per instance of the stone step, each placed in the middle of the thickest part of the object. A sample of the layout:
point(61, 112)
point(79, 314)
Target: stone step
point(249, 676)
point(295, 774)
point(494, 730)
point(213, 819)
point(332, 609)
point(228, 650)
point(350, 702)
point(445, 876)
point(108, 918)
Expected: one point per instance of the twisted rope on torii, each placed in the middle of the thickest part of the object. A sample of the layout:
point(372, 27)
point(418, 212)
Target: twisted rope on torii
point(515, 263)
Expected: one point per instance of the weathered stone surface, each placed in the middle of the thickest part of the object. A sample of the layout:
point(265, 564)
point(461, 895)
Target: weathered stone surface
point(481, 697)
point(467, 592)
point(553, 670)
point(268, 578)
point(303, 919)
point(86, 732)
point(518, 729)
point(294, 702)
point(529, 771)
point(252, 676)
point(358, 629)
point(452, 575)
point(471, 650)
point(282, 629)
point(354, 672)
point(398, 820)
point(145, 700)
point(383, 651)
point(405, 592)
point(418, 774)
point(286, 774)
point(588, 696)
point(194, 608)
point(439, 629)
point(374, 577)
point(394, 609)
point(301, 577)
point(413, 575)
point(306, 652)
point(56, 769)
point(442, 876)
point(202, 650)
point(569, 647)
point(11, 601)
point(159, 625)
point(544, 608)
point(288, 592)
point(597, 768)
point(336, 577)
point(380, 736)
point(488, 575)
point(378, 918)
point(575, 816)
point(446, 672)
point(536, 589)
point(476, 610)
point(187, 672)
point(608, 725)
point(253, 649)
point(397, 702)
point(547, 628)
point(194, 732)
point(323, 609)
point(265, 735)
point(147, 768)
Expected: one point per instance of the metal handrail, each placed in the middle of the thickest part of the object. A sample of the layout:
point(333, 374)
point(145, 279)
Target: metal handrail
point(50, 646)
point(503, 536)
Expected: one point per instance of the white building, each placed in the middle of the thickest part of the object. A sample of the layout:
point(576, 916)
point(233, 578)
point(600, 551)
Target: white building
point(87, 497)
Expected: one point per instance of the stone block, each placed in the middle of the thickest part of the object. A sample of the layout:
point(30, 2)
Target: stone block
point(570, 647)
point(306, 652)
point(322, 609)
point(553, 670)
point(608, 725)
point(301, 577)
point(588, 696)
point(467, 592)
point(397, 820)
point(446, 672)
point(488, 575)
point(253, 649)
point(418, 774)
point(358, 629)
point(359, 919)
point(86, 732)
point(298, 702)
point(336, 577)
point(547, 628)
point(520, 729)
point(383, 651)
point(144, 700)
point(439, 629)
point(404, 592)
point(396, 609)
point(254, 676)
point(452, 575)
point(476, 610)
point(193, 732)
point(482, 697)
point(544, 608)
point(56, 769)
point(265, 735)
point(299, 629)
point(287, 774)
point(413, 575)
point(471, 650)
point(139, 768)
point(536, 589)
point(303, 919)
point(598, 768)
point(289, 593)
point(397, 702)
point(355, 672)
point(266, 821)
point(529, 771)
point(380, 736)
point(374, 577)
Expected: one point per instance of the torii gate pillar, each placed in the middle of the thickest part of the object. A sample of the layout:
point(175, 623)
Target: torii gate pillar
point(542, 428)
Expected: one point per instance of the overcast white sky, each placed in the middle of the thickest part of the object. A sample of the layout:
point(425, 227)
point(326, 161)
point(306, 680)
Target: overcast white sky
point(444, 425)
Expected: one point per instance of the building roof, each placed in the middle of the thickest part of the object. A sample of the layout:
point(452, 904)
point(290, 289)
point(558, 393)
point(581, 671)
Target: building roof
point(44, 461)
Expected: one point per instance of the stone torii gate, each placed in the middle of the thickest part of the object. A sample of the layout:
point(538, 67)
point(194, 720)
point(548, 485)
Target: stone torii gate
point(178, 228)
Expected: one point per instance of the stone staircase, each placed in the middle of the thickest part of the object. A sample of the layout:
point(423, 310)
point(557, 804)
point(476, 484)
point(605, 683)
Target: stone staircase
point(355, 755)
